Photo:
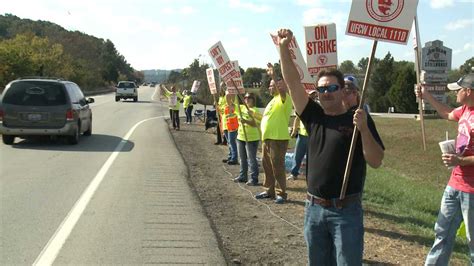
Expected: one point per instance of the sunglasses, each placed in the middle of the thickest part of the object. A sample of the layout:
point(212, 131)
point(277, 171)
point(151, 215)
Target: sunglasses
point(330, 88)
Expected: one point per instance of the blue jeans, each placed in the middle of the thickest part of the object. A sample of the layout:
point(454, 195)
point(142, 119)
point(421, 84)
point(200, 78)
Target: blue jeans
point(455, 207)
point(232, 143)
point(248, 156)
point(189, 116)
point(334, 236)
point(300, 150)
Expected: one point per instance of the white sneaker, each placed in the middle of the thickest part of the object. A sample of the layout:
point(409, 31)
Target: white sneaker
point(291, 177)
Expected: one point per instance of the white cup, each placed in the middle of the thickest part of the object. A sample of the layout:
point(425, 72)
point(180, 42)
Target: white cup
point(447, 146)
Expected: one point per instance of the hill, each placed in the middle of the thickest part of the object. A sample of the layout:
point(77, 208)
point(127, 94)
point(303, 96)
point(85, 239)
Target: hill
point(157, 75)
point(42, 48)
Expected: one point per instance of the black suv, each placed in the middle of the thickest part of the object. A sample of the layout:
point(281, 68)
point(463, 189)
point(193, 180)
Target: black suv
point(44, 106)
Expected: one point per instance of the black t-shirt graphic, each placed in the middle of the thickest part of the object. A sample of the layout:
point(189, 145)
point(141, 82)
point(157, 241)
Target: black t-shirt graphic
point(328, 148)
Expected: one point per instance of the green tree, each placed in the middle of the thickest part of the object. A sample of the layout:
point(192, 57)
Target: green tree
point(467, 67)
point(253, 75)
point(401, 94)
point(28, 55)
point(348, 67)
point(174, 77)
point(381, 81)
point(110, 68)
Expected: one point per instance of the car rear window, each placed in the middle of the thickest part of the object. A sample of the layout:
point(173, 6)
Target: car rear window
point(126, 85)
point(35, 93)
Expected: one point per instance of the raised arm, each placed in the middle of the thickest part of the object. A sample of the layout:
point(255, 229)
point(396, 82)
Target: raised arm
point(290, 73)
point(165, 90)
point(443, 110)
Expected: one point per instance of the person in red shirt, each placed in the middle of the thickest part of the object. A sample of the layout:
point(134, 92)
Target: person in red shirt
point(457, 203)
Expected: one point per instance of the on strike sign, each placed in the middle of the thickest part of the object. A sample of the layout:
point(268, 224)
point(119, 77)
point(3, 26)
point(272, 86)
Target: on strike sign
point(321, 49)
point(211, 80)
point(383, 20)
point(306, 80)
point(226, 68)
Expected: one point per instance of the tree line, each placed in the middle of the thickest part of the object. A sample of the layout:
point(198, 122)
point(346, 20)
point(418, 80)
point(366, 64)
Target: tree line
point(41, 48)
point(391, 82)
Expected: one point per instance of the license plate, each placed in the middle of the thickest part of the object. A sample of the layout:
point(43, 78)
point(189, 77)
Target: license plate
point(34, 117)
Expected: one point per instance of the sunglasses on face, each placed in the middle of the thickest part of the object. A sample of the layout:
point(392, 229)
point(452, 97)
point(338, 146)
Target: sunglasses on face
point(329, 88)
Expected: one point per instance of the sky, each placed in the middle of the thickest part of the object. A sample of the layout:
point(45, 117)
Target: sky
point(170, 34)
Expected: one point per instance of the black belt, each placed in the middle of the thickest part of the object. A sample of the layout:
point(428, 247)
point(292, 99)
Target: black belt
point(333, 202)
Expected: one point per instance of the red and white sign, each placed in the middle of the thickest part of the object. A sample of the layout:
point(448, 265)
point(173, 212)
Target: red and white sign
point(382, 20)
point(237, 78)
point(307, 80)
point(195, 86)
point(321, 50)
point(211, 80)
point(226, 69)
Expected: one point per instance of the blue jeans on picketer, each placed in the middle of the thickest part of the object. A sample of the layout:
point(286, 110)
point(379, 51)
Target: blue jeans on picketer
point(189, 116)
point(456, 206)
point(301, 147)
point(232, 143)
point(334, 236)
point(248, 156)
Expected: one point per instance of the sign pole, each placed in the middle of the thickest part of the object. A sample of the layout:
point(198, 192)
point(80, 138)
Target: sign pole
point(218, 115)
point(418, 73)
point(240, 111)
point(355, 133)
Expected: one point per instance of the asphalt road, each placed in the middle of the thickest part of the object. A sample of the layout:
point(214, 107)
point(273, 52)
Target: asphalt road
point(112, 199)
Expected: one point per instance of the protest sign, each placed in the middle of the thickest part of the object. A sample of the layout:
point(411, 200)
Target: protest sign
point(382, 20)
point(307, 81)
point(225, 67)
point(321, 50)
point(211, 80)
point(195, 86)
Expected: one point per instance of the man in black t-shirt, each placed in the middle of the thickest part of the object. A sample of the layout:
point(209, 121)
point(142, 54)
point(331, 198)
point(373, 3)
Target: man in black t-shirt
point(333, 228)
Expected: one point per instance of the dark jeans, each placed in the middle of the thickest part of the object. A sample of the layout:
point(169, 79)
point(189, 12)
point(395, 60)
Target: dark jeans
point(232, 143)
point(334, 236)
point(189, 116)
point(174, 116)
point(300, 150)
point(248, 156)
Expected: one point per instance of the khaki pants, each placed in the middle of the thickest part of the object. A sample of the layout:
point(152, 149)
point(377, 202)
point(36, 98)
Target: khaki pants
point(274, 166)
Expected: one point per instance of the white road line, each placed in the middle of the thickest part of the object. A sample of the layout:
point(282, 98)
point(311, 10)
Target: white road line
point(153, 96)
point(55, 244)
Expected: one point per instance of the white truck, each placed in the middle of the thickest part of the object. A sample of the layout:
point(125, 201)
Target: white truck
point(126, 90)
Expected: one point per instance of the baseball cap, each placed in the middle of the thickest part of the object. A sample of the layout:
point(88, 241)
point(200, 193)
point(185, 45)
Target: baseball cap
point(311, 92)
point(351, 80)
point(465, 82)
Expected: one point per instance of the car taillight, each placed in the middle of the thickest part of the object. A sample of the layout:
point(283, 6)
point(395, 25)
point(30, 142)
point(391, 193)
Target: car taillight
point(1, 115)
point(69, 115)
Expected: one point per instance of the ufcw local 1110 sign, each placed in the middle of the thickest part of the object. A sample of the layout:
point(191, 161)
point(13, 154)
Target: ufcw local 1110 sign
point(382, 20)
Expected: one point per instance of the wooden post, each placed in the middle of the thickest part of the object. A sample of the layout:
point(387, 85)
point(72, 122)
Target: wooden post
point(355, 133)
point(238, 105)
point(418, 80)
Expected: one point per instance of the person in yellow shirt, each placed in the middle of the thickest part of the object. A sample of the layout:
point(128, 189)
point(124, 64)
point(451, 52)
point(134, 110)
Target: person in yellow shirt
point(188, 106)
point(174, 97)
point(247, 143)
point(275, 136)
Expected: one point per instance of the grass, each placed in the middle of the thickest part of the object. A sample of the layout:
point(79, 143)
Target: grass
point(407, 189)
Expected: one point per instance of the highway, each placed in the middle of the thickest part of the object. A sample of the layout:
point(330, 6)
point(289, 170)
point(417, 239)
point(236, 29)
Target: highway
point(115, 198)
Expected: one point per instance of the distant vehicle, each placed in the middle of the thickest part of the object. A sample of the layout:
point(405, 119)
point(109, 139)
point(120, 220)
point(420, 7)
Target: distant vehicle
point(44, 106)
point(126, 90)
